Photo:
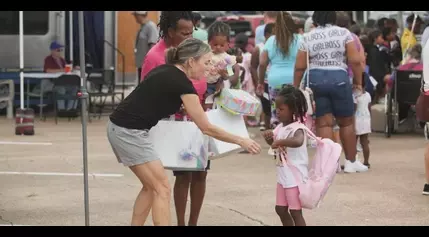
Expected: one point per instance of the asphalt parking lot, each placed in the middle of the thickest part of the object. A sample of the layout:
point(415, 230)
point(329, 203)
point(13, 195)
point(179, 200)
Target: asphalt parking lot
point(46, 190)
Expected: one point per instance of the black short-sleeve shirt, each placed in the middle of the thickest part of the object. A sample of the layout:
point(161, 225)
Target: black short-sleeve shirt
point(157, 97)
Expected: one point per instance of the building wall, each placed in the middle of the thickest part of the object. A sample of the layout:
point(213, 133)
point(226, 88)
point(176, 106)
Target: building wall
point(127, 29)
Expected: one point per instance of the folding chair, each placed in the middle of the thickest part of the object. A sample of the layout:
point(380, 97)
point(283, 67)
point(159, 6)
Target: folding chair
point(104, 85)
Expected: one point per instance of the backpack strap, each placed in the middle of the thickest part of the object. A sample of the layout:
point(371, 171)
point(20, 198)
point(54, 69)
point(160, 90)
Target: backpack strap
point(283, 154)
point(299, 125)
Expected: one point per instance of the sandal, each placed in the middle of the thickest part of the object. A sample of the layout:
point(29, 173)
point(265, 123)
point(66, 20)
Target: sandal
point(367, 165)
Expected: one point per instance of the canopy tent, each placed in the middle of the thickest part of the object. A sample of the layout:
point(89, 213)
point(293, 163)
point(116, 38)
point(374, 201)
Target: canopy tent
point(83, 95)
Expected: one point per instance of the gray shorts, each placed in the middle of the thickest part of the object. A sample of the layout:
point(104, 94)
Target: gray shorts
point(131, 146)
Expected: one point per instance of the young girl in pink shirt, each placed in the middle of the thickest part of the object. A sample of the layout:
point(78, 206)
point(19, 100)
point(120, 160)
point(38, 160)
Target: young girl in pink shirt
point(291, 107)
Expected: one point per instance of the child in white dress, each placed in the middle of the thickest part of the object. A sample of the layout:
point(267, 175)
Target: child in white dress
point(363, 122)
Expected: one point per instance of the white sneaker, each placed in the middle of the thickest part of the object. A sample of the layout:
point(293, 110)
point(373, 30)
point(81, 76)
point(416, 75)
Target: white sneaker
point(360, 167)
point(354, 167)
point(349, 167)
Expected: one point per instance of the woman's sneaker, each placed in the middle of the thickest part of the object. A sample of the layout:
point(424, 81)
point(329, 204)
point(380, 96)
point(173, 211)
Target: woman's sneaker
point(353, 167)
point(426, 189)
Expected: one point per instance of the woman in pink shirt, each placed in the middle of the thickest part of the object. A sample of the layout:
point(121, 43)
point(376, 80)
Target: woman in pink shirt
point(175, 27)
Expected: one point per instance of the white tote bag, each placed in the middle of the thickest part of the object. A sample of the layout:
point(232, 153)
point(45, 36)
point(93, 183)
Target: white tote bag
point(180, 145)
point(228, 122)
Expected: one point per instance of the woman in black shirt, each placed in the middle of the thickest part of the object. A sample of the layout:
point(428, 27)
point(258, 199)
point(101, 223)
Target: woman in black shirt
point(161, 94)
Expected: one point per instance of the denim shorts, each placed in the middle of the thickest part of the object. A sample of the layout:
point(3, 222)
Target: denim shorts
point(333, 92)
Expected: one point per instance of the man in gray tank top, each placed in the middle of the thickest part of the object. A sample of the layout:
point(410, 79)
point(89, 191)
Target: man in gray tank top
point(146, 37)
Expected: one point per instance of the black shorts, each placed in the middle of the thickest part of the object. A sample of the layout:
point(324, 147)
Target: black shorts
point(266, 105)
point(177, 173)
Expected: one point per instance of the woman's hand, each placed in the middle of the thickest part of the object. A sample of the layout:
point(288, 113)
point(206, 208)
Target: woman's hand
point(260, 89)
point(251, 146)
point(387, 77)
point(357, 88)
point(196, 113)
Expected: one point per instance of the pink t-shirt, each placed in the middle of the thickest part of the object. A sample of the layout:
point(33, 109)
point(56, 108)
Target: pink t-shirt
point(156, 57)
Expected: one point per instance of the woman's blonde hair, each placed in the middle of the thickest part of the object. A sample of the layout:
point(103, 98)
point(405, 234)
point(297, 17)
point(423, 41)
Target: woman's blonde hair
point(189, 48)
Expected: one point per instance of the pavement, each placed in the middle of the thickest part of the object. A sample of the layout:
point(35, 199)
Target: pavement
point(240, 187)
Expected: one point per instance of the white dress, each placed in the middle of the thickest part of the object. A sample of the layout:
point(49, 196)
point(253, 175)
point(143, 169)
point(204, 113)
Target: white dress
point(363, 115)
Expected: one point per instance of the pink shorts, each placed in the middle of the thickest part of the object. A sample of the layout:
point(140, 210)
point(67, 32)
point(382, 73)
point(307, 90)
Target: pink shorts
point(288, 197)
